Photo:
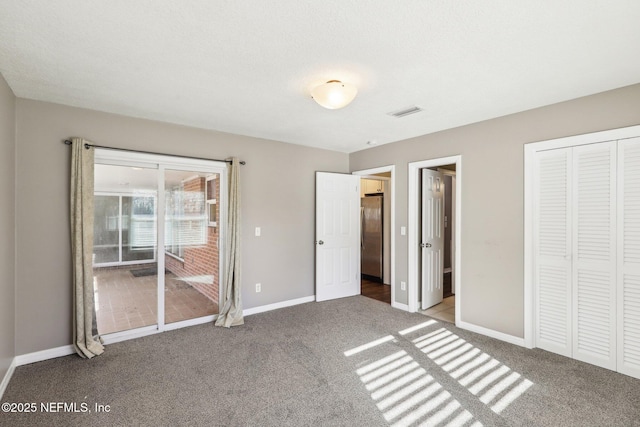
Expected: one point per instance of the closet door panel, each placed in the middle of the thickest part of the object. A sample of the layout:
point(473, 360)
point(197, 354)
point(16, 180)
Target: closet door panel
point(594, 254)
point(552, 272)
point(629, 257)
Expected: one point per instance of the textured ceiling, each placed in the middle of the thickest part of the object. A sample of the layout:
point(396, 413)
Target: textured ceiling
point(246, 67)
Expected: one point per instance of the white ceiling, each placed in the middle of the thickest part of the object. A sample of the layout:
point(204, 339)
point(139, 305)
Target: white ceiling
point(246, 67)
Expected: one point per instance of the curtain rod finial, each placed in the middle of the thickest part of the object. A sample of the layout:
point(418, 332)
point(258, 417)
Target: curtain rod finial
point(67, 142)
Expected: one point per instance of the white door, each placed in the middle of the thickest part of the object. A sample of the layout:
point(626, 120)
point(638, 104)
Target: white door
point(594, 254)
point(337, 235)
point(432, 244)
point(552, 237)
point(629, 257)
point(586, 252)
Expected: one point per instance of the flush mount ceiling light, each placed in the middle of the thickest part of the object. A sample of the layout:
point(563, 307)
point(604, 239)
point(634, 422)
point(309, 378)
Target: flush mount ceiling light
point(334, 94)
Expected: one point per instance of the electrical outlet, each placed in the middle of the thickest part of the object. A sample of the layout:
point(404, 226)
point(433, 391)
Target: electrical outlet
point(258, 287)
point(403, 286)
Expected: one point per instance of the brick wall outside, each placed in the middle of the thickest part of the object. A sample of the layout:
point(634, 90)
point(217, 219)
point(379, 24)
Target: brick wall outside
point(201, 260)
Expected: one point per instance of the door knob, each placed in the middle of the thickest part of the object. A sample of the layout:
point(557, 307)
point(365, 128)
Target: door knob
point(425, 245)
point(320, 242)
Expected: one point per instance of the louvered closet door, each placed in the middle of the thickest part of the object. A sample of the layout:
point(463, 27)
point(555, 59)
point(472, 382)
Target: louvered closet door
point(629, 257)
point(594, 254)
point(552, 274)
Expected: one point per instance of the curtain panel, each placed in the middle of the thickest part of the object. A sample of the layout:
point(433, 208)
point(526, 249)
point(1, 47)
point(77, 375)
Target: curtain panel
point(231, 312)
point(85, 331)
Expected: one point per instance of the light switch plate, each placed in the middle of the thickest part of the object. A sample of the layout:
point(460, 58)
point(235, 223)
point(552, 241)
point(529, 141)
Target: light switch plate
point(403, 231)
point(258, 231)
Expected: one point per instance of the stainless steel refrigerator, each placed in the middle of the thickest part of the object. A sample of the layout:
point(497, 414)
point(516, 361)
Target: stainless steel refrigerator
point(371, 237)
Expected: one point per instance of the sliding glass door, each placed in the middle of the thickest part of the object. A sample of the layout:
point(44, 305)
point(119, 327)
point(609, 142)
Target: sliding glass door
point(191, 235)
point(157, 242)
point(124, 247)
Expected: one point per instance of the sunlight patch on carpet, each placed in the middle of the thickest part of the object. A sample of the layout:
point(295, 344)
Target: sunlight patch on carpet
point(368, 345)
point(404, 392)
point(494, 383)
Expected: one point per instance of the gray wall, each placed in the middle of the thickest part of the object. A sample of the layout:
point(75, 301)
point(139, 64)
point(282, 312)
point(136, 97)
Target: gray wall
point(7, 226)
point(278, 196)
point(492, 194)
point(278, 185)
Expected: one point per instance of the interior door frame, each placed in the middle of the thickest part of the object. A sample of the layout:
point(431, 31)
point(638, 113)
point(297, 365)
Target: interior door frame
point(392, 224)
point(160, 163)
point(413, 228)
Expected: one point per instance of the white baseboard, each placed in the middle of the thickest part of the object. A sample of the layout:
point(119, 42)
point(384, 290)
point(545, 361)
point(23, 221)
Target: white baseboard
point(277, 305)
point(491, 333)
point(39, 356)
point(7, 377)
point(399, 306)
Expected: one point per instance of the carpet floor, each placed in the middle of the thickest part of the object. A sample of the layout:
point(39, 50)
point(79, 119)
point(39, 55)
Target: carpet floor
point(348, 362)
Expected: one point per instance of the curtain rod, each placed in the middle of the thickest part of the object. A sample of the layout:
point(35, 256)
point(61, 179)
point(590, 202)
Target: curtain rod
point(87, 146)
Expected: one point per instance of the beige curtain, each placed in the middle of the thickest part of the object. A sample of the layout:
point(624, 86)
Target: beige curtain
point(85, 334)
point(231, 312)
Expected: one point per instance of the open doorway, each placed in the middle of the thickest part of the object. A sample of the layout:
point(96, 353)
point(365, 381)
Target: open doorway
point(437, 293)
point(434, 238)
point(376, 220)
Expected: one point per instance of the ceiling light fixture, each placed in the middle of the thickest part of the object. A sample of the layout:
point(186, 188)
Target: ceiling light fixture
point(334, 94)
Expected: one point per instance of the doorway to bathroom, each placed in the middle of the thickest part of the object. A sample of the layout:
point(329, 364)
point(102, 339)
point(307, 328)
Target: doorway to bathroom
point(427, 233)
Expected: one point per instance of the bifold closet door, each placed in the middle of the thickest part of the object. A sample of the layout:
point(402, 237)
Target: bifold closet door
point(575, 257)
point(552, 236)
point(594, 253)
point(586, 237)
point(629, 257)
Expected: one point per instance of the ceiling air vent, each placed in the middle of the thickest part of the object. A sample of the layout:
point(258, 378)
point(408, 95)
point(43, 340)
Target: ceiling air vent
point(405, 111)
